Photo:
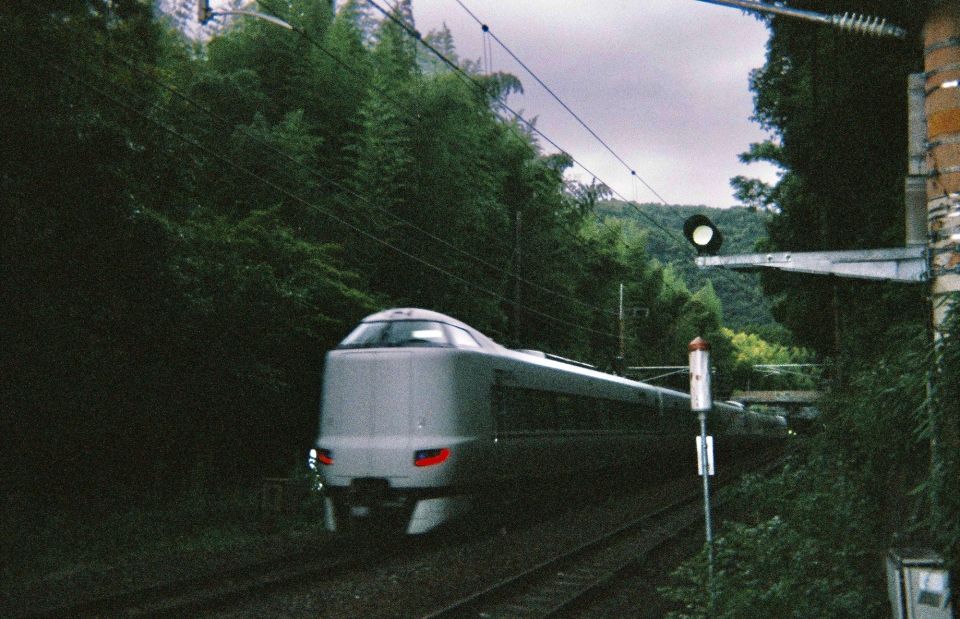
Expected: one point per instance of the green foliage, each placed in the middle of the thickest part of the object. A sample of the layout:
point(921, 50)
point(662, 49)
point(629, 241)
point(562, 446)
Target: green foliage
point(870, 424)
point(810, 538)
point(744, 307)
point(836, 108)
point(750, 349)
point(810, 552)
point(753, 193)
point(940, 423)
point(774, 570)
point(188, 229)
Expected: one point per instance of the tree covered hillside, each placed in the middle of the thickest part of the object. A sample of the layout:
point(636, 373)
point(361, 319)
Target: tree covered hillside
point(742, 300)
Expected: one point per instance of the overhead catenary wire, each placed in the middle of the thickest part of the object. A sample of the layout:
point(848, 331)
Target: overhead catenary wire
point(418, 38)
point(413, 33)
point(366, 201)
point(489, 33)
point(631, 204)
point(123, 101)
point(414, 115)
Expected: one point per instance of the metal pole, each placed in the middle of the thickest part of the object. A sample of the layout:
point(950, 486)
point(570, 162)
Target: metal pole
point(704, 465)
point(622, 359)
point(701, 403)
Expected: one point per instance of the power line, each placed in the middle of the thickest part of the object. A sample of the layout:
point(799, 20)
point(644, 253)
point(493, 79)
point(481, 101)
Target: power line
point(487, 31)
point(470, 80)
point(365, 200)
point(413, 115)
point(417, 37)
point(121, 102)
point(463, 76)
point(342, 187)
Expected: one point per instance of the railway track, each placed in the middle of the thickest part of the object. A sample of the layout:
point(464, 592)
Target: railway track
point(574, 577)
point(188, 596)
point(548, 588)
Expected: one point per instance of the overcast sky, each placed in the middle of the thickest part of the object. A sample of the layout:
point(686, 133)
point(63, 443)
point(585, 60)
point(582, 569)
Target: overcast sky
point(665, 83)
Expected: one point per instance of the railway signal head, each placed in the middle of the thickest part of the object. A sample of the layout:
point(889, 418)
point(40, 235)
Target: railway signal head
point(703, 235)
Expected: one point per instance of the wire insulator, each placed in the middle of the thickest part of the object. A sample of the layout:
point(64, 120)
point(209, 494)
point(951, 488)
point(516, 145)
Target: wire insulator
point(866, 25)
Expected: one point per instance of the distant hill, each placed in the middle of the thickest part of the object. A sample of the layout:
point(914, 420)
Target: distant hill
point(743, 302)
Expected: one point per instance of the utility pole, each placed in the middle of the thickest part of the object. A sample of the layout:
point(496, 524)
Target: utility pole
point(517, 266)
point(622, 352)
point(941, 63)
point(701, 402)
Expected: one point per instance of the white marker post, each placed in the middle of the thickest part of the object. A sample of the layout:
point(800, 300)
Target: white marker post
point(701, 403)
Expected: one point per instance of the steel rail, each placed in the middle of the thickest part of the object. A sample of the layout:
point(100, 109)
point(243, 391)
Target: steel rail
point(214, 590)
point(558, 583)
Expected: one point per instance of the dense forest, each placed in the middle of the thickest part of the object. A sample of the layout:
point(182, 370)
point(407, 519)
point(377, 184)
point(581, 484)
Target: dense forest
point(187, 228)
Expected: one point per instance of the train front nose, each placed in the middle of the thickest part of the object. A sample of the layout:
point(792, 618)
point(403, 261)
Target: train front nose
point(365, 424)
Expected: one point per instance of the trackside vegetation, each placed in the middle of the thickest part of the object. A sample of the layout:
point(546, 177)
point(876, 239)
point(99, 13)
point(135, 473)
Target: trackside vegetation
point(884, 469)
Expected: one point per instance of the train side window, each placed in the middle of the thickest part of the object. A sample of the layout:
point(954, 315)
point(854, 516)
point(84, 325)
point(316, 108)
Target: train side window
point(567, 412)
point(525, 410)
point(543, 409)
point(587, 413)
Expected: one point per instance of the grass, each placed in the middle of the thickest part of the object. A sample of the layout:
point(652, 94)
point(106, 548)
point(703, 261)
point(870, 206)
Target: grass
point(100, 536)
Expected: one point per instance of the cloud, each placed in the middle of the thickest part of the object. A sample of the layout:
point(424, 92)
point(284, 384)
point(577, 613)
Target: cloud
point(663, 82)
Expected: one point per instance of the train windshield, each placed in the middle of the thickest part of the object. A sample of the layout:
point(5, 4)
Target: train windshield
point(396, 333)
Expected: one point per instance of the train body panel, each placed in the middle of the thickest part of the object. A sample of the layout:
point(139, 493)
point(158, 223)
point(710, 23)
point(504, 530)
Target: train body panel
point(382, 406)
point(421, 415)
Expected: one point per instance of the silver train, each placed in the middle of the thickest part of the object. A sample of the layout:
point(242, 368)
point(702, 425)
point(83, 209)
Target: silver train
point(422, 417)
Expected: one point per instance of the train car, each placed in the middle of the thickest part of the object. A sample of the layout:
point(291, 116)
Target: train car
point(422, 417)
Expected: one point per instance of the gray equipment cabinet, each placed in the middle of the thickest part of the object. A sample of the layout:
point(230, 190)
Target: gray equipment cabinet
point(918, 584)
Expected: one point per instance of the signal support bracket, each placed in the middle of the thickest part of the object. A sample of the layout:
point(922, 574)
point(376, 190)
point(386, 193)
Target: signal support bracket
point(901, 264)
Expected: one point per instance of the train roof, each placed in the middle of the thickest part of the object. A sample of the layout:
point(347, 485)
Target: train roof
point(415, 313)
point(529, 356)
point(412, 313)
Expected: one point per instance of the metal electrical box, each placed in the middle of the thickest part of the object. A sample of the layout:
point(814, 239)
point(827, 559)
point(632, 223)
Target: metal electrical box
point(918, 584)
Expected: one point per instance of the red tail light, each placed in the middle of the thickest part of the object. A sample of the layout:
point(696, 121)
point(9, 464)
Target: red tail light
point(429, 457)
point(325, 456)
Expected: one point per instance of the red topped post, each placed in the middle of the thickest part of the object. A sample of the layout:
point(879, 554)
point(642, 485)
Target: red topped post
point(700, 399)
